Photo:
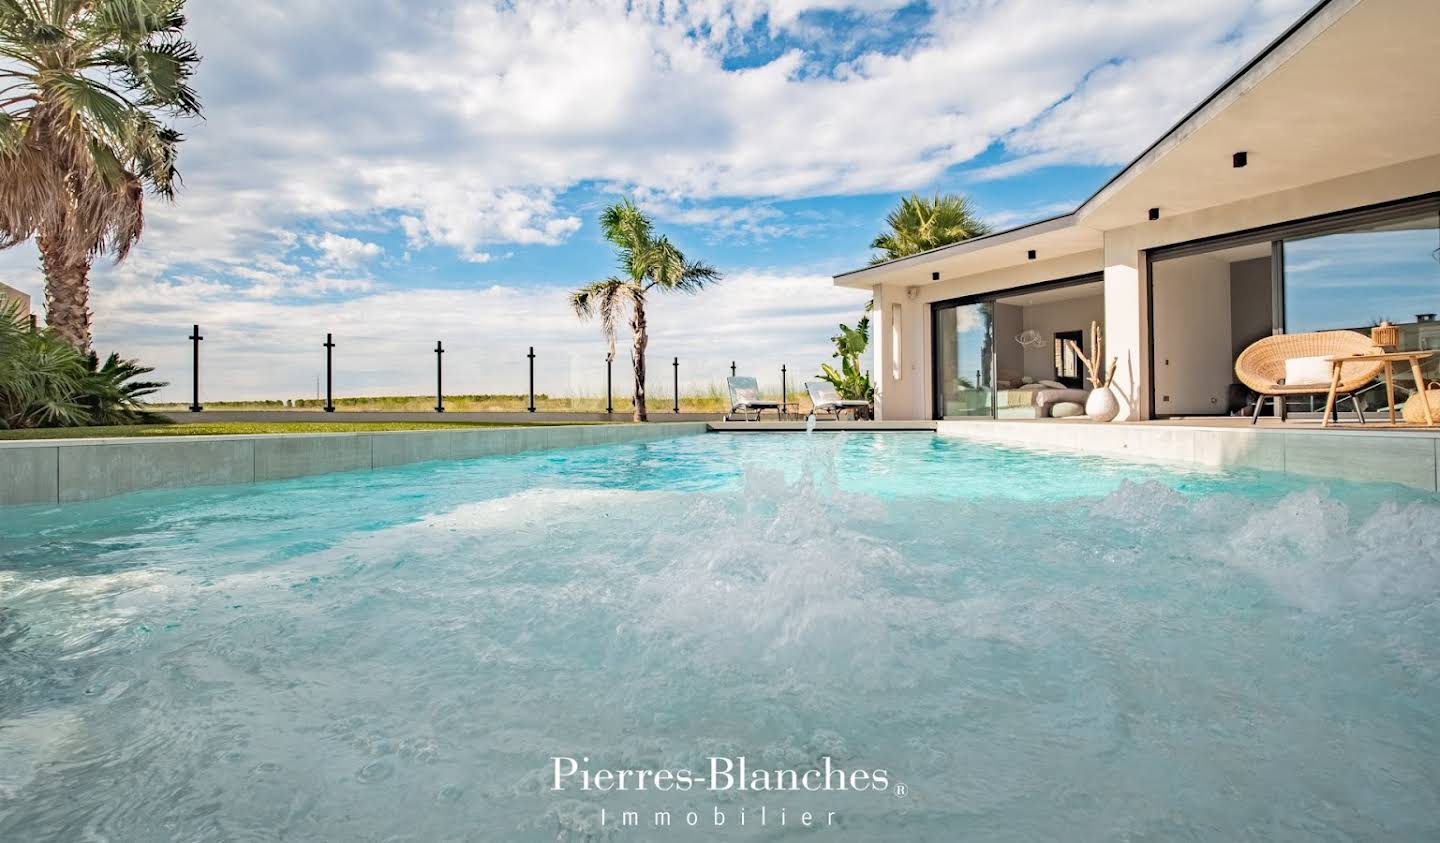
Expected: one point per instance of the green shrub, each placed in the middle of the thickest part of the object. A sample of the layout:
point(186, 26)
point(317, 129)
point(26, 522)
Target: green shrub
point(851, 382)
point(45, 382)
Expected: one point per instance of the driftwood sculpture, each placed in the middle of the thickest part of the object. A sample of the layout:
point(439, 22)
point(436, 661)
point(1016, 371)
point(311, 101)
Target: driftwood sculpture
point(1099, 378)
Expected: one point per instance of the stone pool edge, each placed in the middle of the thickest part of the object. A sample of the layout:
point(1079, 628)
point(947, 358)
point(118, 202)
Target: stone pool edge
point(72, 470)
point(1408, 457)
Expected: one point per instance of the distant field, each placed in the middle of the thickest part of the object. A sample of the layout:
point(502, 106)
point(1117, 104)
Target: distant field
point(706, 402)
point(235, 428)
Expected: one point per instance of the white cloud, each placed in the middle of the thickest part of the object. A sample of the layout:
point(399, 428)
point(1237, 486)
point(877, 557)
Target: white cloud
point(344, 252)
point(463, 126)
point(271, 348)
point(462, 123)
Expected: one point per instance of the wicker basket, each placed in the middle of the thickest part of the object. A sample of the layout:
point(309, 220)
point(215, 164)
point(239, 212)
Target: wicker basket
point(1414, 411)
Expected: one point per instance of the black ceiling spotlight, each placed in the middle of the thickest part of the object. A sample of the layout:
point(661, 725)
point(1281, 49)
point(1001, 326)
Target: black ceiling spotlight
point(934, 276)
point(1240, 159)
point(1154, 213)
point(1031, 254)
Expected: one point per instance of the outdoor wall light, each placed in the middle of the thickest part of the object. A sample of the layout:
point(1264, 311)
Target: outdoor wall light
point(934, 276)
point(1154, 213)
point(1030, 254)
point(896, 342)
point(1240, 159)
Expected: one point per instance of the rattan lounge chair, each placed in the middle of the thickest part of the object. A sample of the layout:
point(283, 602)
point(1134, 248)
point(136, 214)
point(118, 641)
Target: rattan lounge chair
point(745, 399)
point(1261, 367)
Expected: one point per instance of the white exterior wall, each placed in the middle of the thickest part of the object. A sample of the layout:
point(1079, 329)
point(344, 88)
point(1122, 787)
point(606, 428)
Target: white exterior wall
point(1193, 364)
point(1123, 262)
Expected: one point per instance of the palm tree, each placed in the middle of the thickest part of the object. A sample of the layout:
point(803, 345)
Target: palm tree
point(647, 262)
point(83, 88)
point(920, 224)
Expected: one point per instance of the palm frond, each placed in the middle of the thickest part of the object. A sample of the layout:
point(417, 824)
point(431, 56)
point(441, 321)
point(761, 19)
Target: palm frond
point(919, 224)
point(46, 382)
point(85, 88)
point(626, 226)
point(609, 300)
point(647, 262)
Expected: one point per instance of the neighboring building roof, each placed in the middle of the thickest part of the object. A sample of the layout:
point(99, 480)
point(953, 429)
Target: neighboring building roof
point(1305, 109)
point(8, 292)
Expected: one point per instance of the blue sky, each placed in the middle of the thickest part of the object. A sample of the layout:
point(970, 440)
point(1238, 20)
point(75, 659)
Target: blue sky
point(400, 172)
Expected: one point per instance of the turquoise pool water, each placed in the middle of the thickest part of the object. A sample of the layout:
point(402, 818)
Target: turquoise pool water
point(1037, 647)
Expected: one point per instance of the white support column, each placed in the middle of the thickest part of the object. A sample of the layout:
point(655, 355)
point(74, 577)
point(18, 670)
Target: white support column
point(1126, 323)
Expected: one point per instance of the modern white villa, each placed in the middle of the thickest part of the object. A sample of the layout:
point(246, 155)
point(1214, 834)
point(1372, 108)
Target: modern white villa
point(1302, 195)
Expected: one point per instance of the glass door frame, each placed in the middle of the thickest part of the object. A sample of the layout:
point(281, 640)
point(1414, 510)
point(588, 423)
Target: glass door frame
point(937, 401)
point(1276, 234)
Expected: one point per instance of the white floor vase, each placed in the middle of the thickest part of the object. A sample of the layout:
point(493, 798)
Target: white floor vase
point(1102, 406)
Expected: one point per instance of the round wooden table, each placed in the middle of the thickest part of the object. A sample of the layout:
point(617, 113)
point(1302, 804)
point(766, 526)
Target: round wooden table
point(1390, 359)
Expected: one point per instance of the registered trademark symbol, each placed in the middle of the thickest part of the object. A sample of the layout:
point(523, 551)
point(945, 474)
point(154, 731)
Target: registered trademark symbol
point(900, 791)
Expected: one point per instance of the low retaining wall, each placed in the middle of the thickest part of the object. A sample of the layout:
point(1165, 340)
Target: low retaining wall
point(65, 470)
point(1408, 457)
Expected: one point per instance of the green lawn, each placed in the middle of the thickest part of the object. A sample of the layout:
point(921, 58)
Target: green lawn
point(232, 428)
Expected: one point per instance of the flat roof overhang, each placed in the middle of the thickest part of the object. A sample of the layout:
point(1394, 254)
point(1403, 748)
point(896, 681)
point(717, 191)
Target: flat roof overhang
point(1350, 87)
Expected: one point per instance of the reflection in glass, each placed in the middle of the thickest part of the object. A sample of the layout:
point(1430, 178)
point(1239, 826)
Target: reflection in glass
point(1355, 279)
point(964, 335)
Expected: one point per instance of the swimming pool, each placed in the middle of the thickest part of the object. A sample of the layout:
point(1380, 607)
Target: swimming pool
point(1028, 646)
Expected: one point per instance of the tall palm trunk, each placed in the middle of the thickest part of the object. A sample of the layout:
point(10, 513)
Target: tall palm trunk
point(637, 357)
point(67, 290)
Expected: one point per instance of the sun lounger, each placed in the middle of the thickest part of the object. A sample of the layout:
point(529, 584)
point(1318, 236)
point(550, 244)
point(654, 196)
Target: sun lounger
point(745, 399)
point(826, 400)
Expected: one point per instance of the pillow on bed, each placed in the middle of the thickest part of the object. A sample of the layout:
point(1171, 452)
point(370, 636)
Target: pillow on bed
point(1032, 387)
point(1052, 384)
point(1307, 371)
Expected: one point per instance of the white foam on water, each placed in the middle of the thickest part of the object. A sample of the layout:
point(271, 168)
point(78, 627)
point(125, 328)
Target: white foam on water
point(1313, 553)
point(1004, 654)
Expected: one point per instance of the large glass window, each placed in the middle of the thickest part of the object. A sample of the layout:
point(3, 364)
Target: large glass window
point(1351, 272)
point(964, 360)
point(1359, 277)
point(1009, 356)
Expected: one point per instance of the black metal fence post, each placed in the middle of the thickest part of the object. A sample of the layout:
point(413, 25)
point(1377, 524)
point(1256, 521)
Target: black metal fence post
point(195, 339)
point(732, 368)
point(531, 355)
point(784, 389)
point(677, 385)
point(609, 392)
point(439, 377)
point(329, 373)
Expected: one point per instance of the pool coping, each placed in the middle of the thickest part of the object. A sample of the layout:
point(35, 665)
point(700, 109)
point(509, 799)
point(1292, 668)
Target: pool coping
point(53, 471)
point(1408, 457)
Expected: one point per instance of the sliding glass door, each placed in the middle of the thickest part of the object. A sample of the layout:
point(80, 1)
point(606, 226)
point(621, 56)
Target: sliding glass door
point(964, 338)
point(1212, 299)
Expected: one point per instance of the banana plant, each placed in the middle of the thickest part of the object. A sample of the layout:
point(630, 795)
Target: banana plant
point(852, 382)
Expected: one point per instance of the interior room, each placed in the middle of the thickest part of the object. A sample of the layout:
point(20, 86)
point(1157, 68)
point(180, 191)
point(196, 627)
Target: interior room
point(1350, 274)
point(1011, 356)
point(1207, 309)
